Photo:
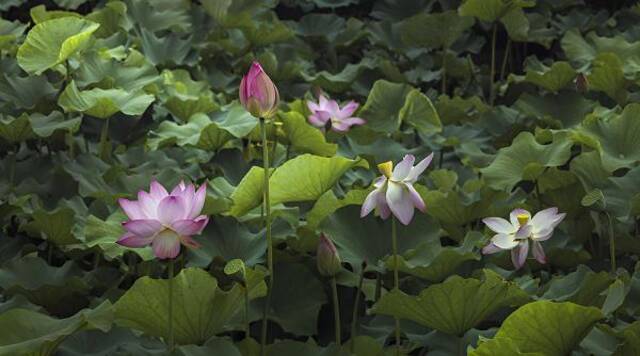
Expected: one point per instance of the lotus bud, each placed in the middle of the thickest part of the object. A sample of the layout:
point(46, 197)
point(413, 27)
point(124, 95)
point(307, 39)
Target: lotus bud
point(258, 94)
point(328, 259)
point(582, 83)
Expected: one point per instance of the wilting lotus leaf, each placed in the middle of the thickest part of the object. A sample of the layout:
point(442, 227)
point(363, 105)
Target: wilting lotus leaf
point(202, 309)
point(26, 332)
point(455, 305)
point(549, 328)
point(525, 154)
point(52, 42)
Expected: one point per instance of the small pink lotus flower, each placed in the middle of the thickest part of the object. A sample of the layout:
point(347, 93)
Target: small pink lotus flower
point(164, 220)
point(394, 191)
point(515, 235)
point(258, 94)
point(327, 257)
point(328, 112)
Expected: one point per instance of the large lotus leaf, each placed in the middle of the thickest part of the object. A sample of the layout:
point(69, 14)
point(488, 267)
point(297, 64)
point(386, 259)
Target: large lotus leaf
point(629, 339)
point(15, 129)
point(112, 18)
point(55, 226)
point(184, 96)
point(525, 160)
point(321, 25)
point(99, 68)
point(202, 309)
point(103, 103)
point(583, 51)
point(235, 119)
point(455, 305)
point(389, 104)
point(509, 12)
point(105, 233)
point(200, 131)
point(582, 287)
point(52, 42)
point(172, 48)
point(26, 92)
point(443, 28)
point(9, 32)
point(25, 332)
point(57, 288)
point(41, 14)
point(46, 125)
point(341, 81)
point(250, 347)
point(501, 347)
point(620, 194)
point(328, 203)
point(303, 178)
point(553, 329)
point(607, 76)
point(553, 78)
point(305, 138)
point(616, 137)
point(562, 110)
point(297, 298)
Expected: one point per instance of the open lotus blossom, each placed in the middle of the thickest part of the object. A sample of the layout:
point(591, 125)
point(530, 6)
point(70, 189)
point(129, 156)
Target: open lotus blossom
point(394, 191)
point(258, 94)
point(164, 220)
point(522, 229)
point(328, 112)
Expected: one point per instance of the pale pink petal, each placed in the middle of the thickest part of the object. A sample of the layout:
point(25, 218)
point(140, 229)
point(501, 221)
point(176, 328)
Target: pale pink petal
point(313, 107)
point(332, 107)
point(323, 103)
point(499, 225)
point(416, 198)
point(319, 118)
point(198, 201)
point(538, 252)
point(380, 181)
point(524, 232)
point(166, 245)
point(148, 204)
point(513, 217)
point(418, 169)
point(544, 218)
point(504, 241)
point(132, 209)
point(187, 194)
point(542, 235)
point(178, 188)
point(490, 249)
point(348, 110)
point(157, 191)
point(171, 208)
point(383, 208)
point(519, 254)
point(345, 124)
point(399, 202)
point(189, 242)
point(132, 240)
point(403, 168)
point(143, 227)
point(370, 203)
point(189, 227)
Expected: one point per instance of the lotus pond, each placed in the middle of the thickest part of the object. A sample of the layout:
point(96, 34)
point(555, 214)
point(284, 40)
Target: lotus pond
point(319, 177)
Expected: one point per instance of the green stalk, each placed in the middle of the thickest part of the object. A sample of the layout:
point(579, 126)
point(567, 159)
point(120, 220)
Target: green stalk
point(267, 221)
point(336, 310)
point(354, 318)
point(171, 336)
point(612, 244)
point(12, 168)
point(247, 330)
point(104, 135)
point(505, 59)
point(444, 71)
point(396, 279)
point(492, 93)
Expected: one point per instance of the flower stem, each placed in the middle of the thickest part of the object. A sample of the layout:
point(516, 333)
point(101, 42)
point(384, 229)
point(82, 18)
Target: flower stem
point(12, 168)
point(171, 336)
point(267, 221)
point(104, 135)
point(247, 329)
point(354, 318)
point(505, 59)
point(336, 310)
point(396, 279)
point(612, 244)
point(492, 92)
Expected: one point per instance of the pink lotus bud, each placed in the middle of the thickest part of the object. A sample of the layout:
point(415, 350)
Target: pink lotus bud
point(328, 259)
point(258, 94)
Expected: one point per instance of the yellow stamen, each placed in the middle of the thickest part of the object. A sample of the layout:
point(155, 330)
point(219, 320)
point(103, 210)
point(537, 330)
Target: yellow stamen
point(523, 219)
point(386, 168)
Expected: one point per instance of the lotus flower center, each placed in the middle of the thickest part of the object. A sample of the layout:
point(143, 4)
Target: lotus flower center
point(386, 168)
point(523, 219)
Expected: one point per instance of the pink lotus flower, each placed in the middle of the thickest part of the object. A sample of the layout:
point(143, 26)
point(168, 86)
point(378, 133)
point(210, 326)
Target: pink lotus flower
point(328, 260)
point(328, 112)
point(515, 235)
point(394, 191)
point(258, 94)
point(164, 220)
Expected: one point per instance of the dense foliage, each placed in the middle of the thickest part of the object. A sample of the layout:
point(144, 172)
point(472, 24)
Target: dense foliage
point(525, 104)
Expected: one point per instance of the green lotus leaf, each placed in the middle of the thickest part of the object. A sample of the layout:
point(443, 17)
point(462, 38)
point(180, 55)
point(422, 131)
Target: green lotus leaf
point(341, 81)
point(608, 76)
point(15, 129)
point(46, 125)
point(26, 332)
point(129, 71)
point(303, 178)
point(444, 29)
point(563, 110)
point(616, 137)
point(509, 12)
point(582, 287)
point(172, 48)
point(456, 109)
point(389, 104)
point(55, 226)
point(454, 306)
point(235, 119)
point(509, 166)
point(329, 203)
point(553, 78)
point(305, 138)
point(202, 308)
point(41, 14)
point(105, 233)
point(582, 51)
point(200, 131)
point(184, 96)
point(9, 32)
point(553, 329)
point(52, 42)
point(501, 347)
point(104, 103)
